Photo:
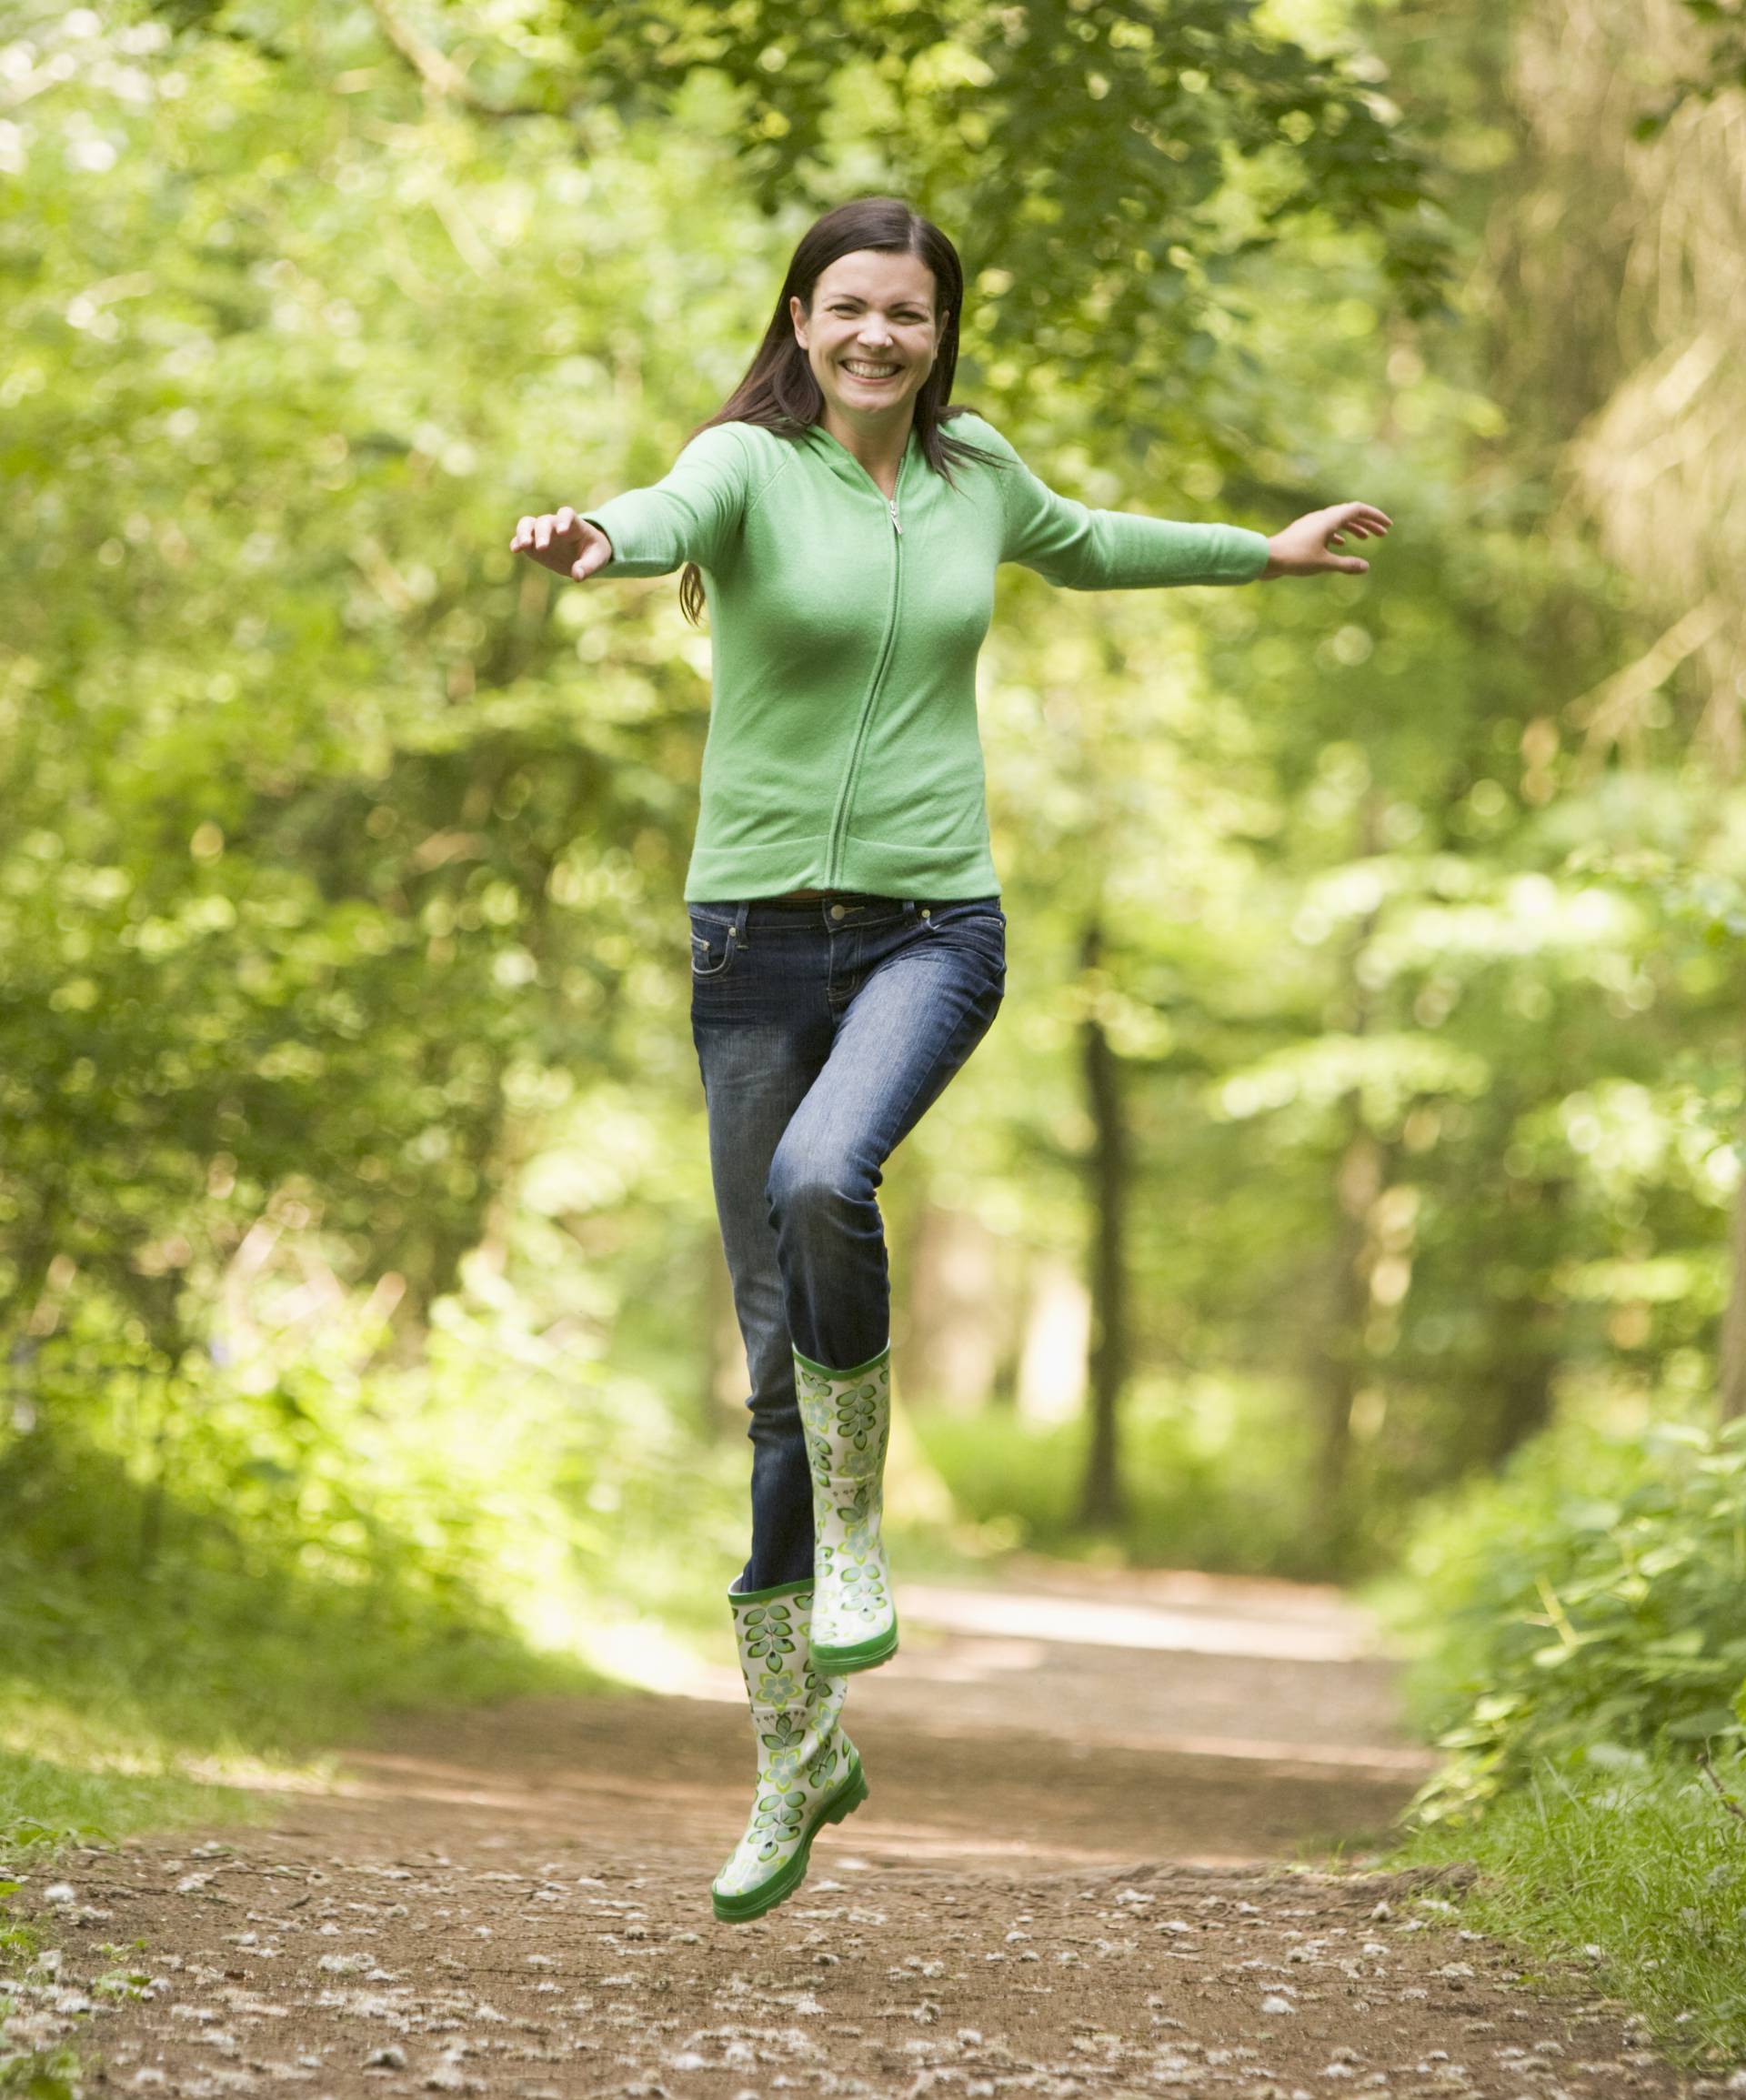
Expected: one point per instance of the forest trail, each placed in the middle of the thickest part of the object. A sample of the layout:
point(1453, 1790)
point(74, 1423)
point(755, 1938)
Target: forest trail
point(1085, 1869)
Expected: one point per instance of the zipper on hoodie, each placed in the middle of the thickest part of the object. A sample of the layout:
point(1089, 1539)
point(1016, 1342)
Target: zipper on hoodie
point(839, 823)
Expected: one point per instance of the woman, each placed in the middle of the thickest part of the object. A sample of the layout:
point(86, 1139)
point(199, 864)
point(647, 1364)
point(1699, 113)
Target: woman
point(847, 946)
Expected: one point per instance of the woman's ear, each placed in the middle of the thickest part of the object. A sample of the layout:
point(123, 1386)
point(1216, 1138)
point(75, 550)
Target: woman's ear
point(797, 316)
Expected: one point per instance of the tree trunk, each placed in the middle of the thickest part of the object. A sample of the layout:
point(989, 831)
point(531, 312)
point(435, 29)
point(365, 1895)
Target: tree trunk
point(1524, 1394)
point(1733, 1394)
point(1529, 1326)
point(1103, 1500)
point(1357, 1183)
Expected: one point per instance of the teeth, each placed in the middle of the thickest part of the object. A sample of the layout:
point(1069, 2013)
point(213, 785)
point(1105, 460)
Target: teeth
point(869, 371)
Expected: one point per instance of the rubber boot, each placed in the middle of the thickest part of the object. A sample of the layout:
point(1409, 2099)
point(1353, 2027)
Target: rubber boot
point(808, 1771)
point(847, 1415)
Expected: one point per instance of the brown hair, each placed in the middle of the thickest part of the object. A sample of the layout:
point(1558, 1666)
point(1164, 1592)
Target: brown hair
point(779, 392)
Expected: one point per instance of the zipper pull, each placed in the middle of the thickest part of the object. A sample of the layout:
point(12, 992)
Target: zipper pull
point(891, 505)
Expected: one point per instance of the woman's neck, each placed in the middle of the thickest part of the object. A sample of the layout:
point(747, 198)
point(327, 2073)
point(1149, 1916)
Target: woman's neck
point(879, 449)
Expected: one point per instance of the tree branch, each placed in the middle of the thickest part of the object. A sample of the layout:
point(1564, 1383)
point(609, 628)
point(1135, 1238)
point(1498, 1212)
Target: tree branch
point(437, 70)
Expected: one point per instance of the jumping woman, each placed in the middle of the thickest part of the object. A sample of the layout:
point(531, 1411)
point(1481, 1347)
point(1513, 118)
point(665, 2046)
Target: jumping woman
point(843, 525)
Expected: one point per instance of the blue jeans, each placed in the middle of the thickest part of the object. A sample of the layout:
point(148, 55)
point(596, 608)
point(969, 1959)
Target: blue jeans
point(824, 1030)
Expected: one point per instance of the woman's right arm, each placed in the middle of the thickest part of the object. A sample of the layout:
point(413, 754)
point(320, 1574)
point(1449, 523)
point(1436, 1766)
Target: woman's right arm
point(691, 513)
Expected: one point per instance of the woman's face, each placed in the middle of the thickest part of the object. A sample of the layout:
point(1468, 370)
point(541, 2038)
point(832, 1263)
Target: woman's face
point(871, 335)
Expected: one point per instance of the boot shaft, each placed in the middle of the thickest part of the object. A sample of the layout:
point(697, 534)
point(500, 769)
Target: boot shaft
point(847, 1415)
point(794, 1707)
point(808, 1771)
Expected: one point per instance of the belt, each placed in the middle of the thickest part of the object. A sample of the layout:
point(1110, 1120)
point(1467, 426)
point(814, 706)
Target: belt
point(827, 896)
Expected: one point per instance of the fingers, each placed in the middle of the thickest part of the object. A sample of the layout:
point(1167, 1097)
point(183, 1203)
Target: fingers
point(534, 535)
point(1362, 520)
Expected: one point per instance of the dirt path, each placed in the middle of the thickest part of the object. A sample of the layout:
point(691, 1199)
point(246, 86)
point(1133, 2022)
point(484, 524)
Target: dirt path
point(1081, 1871)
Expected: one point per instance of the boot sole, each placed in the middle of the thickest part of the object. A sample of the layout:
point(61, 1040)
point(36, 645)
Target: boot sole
point(861, 1655)
point(739, 1910)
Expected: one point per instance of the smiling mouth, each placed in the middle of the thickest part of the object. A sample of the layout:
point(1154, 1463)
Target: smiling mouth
point(859, 370)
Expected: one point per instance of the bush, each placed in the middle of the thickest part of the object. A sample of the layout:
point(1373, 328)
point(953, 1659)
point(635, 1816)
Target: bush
point(1583, 1608)
point(256, 1555)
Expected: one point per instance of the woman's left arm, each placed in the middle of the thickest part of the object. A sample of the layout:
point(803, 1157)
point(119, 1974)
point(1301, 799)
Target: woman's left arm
point(1080, 548)
point(1084, 549)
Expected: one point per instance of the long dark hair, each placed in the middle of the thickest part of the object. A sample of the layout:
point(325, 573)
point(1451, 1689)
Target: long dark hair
point(779, 392)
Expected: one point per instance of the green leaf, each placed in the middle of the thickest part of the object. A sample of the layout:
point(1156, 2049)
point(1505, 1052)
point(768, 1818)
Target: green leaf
point(1712, 1721)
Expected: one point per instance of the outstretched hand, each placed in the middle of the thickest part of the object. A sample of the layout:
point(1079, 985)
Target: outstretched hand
point(1302, 548)
point(563, 542)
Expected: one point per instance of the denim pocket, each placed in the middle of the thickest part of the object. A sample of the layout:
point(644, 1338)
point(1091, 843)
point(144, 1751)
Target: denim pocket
point(976, 922)
point(713, 944)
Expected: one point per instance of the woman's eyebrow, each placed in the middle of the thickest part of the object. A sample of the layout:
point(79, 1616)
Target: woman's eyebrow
point(855, 299)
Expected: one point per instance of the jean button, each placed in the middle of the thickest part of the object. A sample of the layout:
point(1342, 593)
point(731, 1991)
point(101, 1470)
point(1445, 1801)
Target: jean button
point(838, 910)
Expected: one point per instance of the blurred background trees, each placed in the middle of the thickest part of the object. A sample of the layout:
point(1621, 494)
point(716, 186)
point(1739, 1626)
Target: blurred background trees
point(1366, 1095)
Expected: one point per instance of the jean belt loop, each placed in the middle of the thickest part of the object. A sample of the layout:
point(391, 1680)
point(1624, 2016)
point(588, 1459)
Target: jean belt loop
point(909, 908)
point(741, 911)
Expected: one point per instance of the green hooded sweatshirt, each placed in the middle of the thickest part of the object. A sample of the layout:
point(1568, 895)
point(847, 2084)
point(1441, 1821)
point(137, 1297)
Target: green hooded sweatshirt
point(843, 750)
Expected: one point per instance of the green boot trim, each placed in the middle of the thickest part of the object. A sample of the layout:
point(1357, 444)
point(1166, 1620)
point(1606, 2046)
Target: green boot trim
point(858, 1371)
point(775, 1590)
point(858, 1654)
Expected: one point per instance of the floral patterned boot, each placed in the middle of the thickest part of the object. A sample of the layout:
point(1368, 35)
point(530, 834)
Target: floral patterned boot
point(847, 1415)
point(808, 1771)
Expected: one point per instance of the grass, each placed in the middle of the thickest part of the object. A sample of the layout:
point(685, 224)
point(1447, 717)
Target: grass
point(103, 1747)
point(39, 2074)
point(1576, 1635)
point(28, 2073)
point(152, 1693)
point(1636, 1873)
point(46, 1803)
point(130, 1694)
point(133, 1686)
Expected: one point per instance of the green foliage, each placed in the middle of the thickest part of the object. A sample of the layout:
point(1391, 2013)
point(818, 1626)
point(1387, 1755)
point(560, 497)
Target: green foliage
point(26, 2074)
point(40, 2074)
point(1636, 1873)
point(208, 1566)
point(339, 853)
point(1586, 1608)
point(1217, 1478)
point(80, 1794)
point(327, 835)
point(1110, 208)
point(1723, 67)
